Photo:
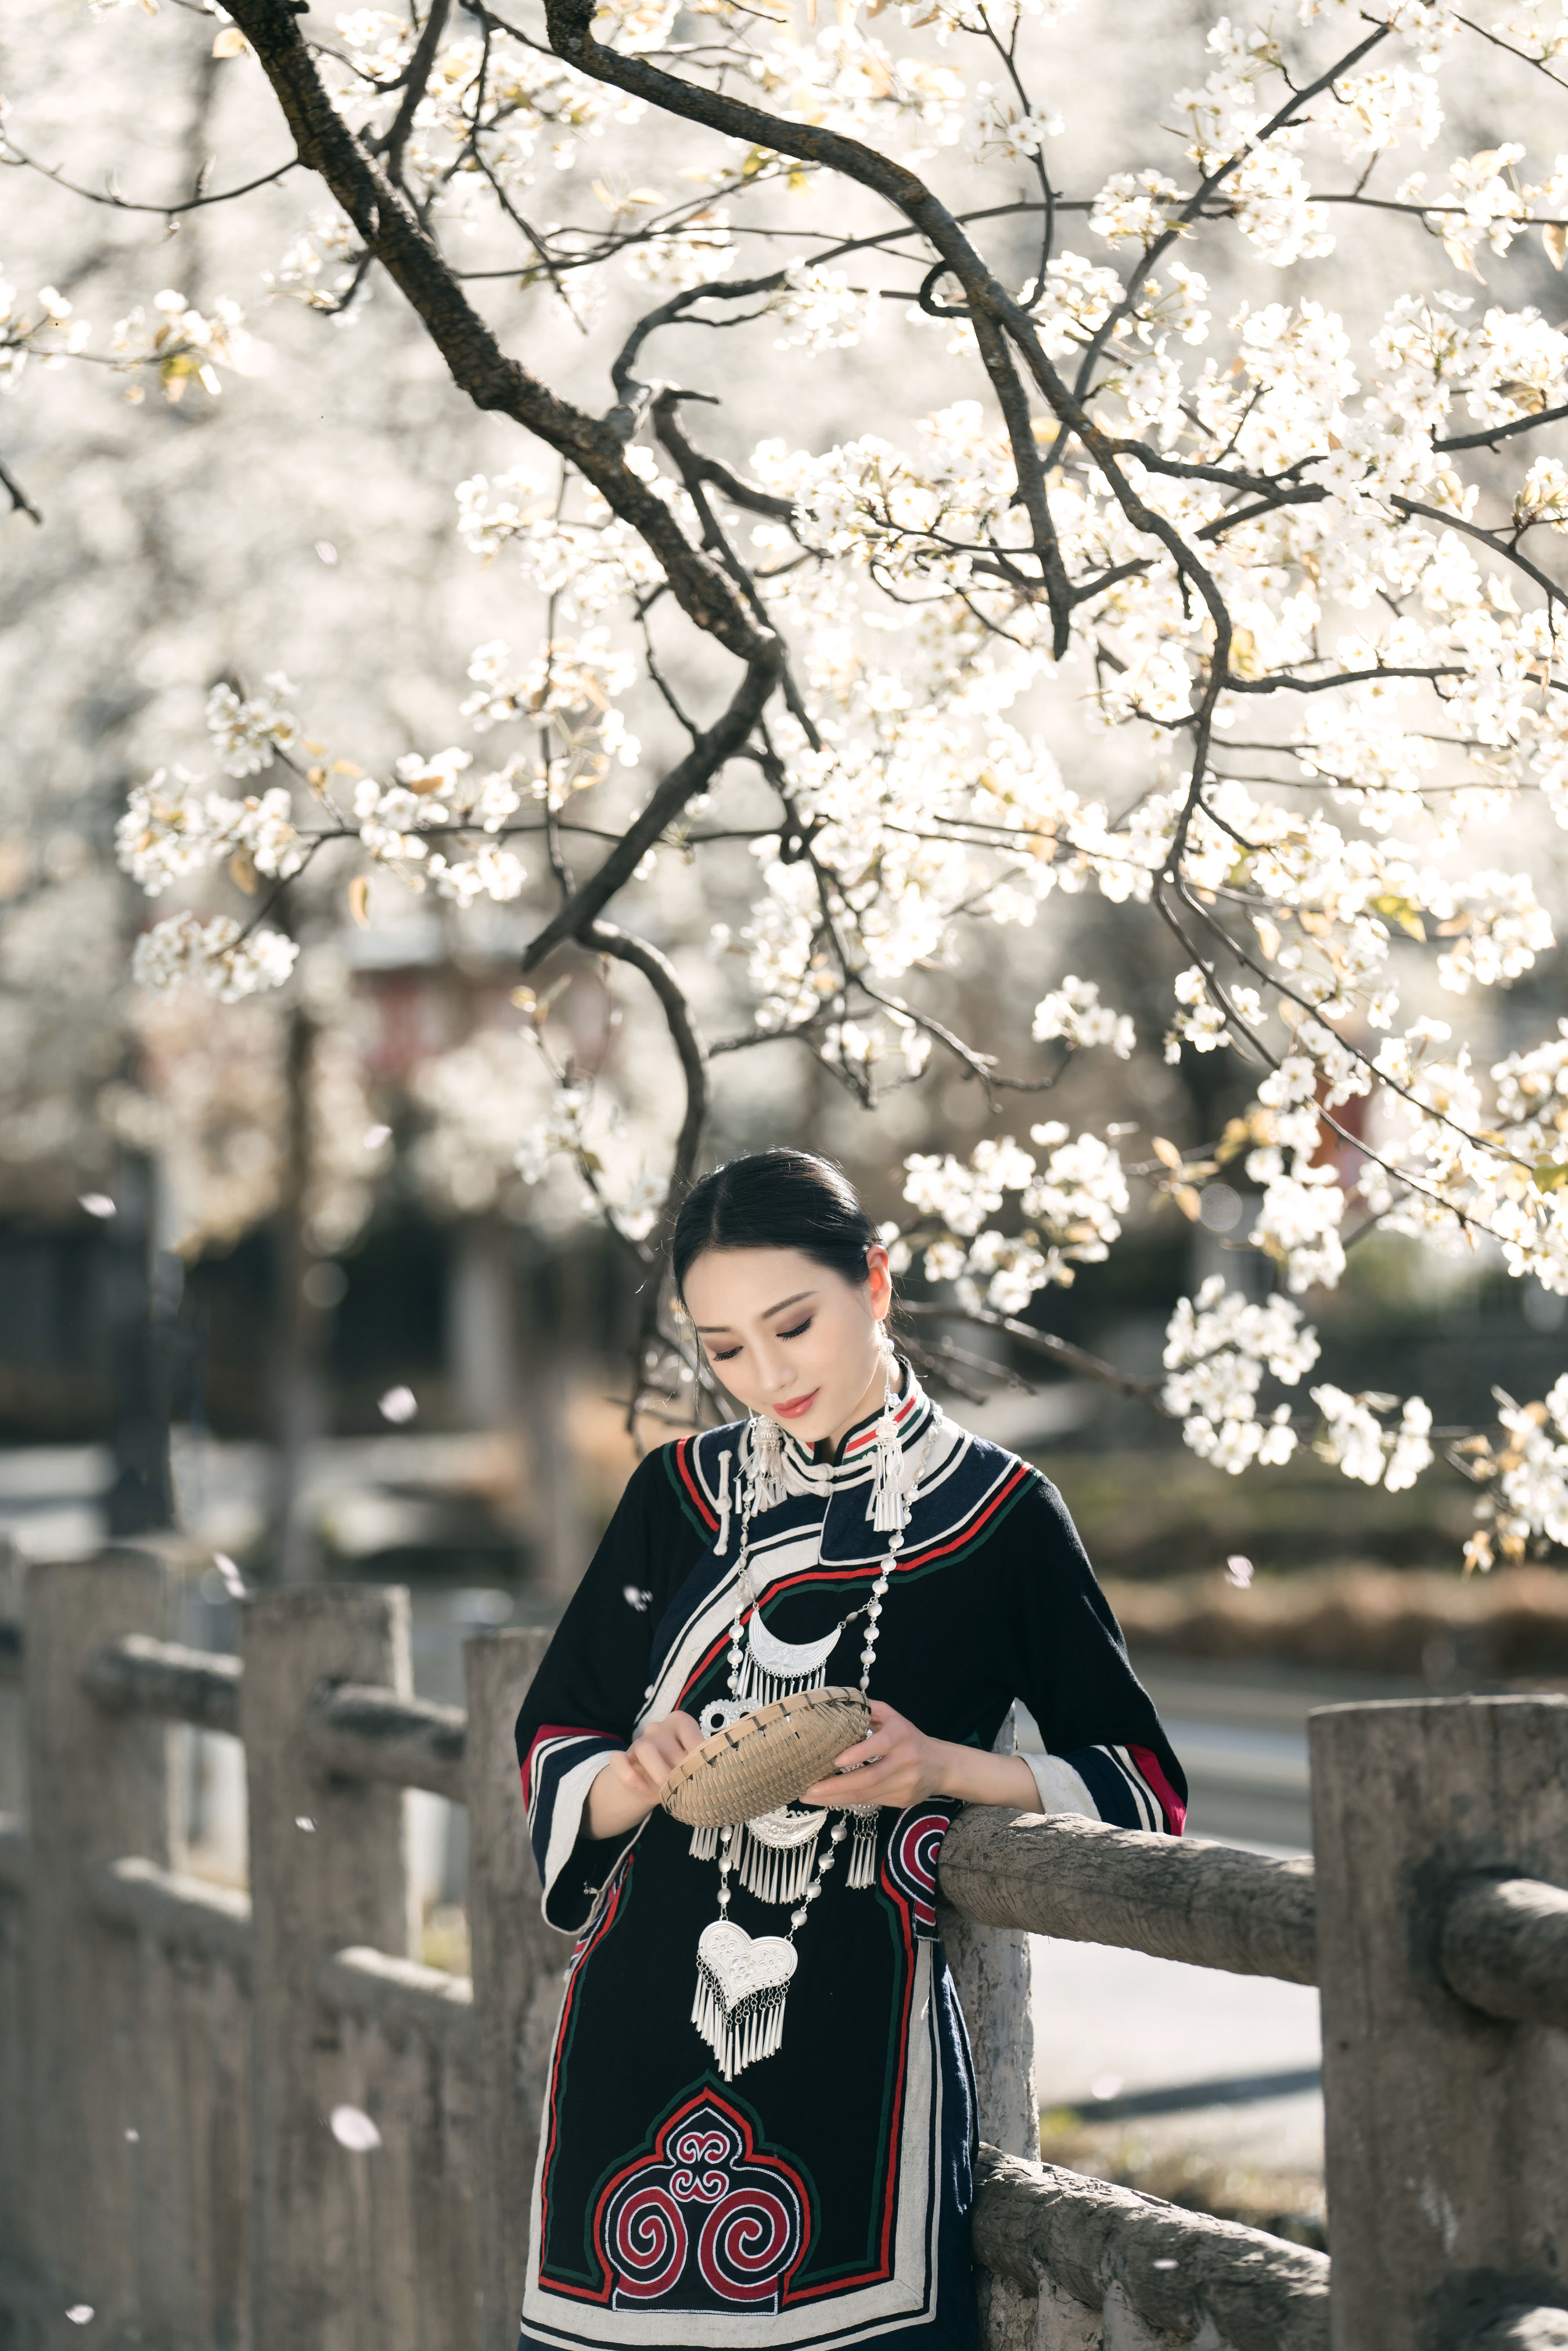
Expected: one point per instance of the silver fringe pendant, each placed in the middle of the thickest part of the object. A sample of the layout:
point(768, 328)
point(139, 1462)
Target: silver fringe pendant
point(740, 1988)
point(862, 1870)
point(778, 1853)
point(776, 1669)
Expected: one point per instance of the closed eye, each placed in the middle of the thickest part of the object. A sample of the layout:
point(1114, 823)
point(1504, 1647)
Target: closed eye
point(728, 1355)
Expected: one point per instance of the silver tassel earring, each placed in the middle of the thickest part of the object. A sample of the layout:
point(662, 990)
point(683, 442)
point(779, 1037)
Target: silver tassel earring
point(762, 1453)
point(888, 1507)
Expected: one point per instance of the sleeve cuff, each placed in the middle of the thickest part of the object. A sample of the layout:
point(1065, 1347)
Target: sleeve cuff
point(1061, 1788)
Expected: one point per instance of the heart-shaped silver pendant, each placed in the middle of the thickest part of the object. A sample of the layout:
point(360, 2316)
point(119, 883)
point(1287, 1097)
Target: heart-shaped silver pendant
point(742, 1981)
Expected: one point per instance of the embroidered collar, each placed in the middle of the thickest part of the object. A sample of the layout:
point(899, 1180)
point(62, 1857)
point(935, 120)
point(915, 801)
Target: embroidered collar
point(806, 1474)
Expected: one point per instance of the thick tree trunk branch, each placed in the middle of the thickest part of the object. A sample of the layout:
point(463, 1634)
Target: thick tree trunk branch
point(694, 773)
point(385, 221)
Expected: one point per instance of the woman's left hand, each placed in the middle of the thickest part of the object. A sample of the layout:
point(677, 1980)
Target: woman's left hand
point(896, 1764)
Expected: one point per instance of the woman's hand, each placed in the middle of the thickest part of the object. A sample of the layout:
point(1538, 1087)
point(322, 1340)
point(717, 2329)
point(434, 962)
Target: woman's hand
point(625, 1790)
point(898, 1765)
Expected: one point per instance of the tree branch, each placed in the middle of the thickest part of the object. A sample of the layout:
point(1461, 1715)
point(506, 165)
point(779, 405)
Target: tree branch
point(1046, 1343)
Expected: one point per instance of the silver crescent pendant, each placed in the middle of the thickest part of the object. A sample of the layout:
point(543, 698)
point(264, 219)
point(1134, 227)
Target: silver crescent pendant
point(787, 1661)
point(785, 1829)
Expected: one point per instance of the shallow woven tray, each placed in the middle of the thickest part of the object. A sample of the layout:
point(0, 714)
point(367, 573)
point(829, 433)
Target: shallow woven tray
point(767, 1759)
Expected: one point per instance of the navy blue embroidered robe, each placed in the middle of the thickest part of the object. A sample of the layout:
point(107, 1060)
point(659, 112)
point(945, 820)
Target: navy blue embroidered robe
point(822, 2196)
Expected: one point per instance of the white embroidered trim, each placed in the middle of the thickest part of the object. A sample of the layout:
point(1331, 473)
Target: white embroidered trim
point(1061, 1788)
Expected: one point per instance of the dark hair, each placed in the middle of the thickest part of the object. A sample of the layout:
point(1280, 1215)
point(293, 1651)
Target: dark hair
point(776, 1199)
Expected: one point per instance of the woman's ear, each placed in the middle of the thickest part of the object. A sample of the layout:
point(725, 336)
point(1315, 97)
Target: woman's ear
point(880, 1281)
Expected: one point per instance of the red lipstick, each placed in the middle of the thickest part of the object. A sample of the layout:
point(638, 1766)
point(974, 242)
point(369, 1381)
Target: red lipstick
point(796, 1406)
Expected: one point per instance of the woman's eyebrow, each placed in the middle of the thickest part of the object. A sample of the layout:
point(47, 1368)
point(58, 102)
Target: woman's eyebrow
point(767, 1312)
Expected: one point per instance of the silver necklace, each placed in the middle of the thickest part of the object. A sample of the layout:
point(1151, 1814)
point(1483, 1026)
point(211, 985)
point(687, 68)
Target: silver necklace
point(742, 1980)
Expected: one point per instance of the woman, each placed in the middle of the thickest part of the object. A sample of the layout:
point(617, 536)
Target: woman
point(759, 2123)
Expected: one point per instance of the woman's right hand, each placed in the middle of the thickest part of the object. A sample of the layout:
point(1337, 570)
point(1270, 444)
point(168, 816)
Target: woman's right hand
point(625, 1790)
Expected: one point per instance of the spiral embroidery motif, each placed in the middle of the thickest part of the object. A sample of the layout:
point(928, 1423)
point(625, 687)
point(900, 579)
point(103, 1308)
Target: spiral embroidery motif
point(704, 2221)
point(743, 2244)
point(651, 2243)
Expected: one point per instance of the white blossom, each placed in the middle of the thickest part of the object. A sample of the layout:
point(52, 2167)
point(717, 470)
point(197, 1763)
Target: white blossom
point(226, 963)
point(246, 734)
point(1074, 1012)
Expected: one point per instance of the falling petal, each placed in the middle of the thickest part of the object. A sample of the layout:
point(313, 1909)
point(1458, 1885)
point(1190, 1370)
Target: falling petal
point(1239, 1570)
point(353, 2128)
point(1105, 2085)
point(398, 1404)
point(327, 552)
point(233, 1582)
point(80, 2312)
point(376, 1136)
point(301, 1821)
point(134, 2136)
point(97, 1204)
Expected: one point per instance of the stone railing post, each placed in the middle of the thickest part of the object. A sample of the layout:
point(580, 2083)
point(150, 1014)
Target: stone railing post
point(517, 1974)
point(99, 1785)
point(329, 1867)
point(993, 1975)
point(13, 1743)
point(1446, 2131)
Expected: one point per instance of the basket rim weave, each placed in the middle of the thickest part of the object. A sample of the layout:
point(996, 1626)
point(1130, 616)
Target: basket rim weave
point(766, 1758)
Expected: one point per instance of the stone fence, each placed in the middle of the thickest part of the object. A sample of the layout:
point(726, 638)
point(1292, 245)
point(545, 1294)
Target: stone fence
point(254, 2122)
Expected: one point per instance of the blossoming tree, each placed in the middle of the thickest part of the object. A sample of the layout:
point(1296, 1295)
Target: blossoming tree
point(1297, 566)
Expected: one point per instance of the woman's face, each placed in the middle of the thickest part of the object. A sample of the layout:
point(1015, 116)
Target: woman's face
point(790, 1337)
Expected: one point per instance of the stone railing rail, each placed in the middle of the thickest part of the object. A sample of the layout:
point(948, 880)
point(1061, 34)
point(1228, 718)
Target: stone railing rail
point(173, 2052)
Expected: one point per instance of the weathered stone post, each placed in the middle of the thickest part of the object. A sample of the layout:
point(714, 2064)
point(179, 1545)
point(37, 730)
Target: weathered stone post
point(329, 1867)
point(992, 1971)
point(13, 1741)
point(1446, 2130)
point(517, 1974)
point(99, 1786)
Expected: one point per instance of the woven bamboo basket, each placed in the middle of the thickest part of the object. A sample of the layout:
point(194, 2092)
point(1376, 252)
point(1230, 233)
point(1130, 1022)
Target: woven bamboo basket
point(767, 1759)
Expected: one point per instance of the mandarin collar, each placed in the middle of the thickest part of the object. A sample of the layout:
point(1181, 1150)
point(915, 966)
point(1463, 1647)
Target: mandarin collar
point(805, 1472)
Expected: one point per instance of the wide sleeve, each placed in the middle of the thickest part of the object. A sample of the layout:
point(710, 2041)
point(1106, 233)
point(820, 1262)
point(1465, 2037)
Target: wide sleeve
point(1105, 1754)
point(587, 1692)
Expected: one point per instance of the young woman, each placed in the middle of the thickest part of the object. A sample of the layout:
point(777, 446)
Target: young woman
point(759, 2123)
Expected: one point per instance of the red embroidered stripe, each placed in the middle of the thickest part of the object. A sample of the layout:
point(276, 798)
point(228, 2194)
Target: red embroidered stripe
point(578, 1957)
point(683, 1450)
point(548, 1731)
point(849, 1574)
point(1169, 1802)
point(869, 1435)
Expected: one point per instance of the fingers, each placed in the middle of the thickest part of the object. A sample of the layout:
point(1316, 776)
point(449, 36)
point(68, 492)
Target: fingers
point(883, 1783)
point(655, 1755)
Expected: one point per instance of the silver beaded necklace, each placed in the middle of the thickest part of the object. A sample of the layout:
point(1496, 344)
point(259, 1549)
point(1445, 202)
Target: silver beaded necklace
point(779, 1857)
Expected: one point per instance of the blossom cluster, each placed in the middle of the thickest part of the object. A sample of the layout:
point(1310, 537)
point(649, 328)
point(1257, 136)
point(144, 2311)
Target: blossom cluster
point(179, 343)
point(1217, 1347)
point(1072, 1200)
